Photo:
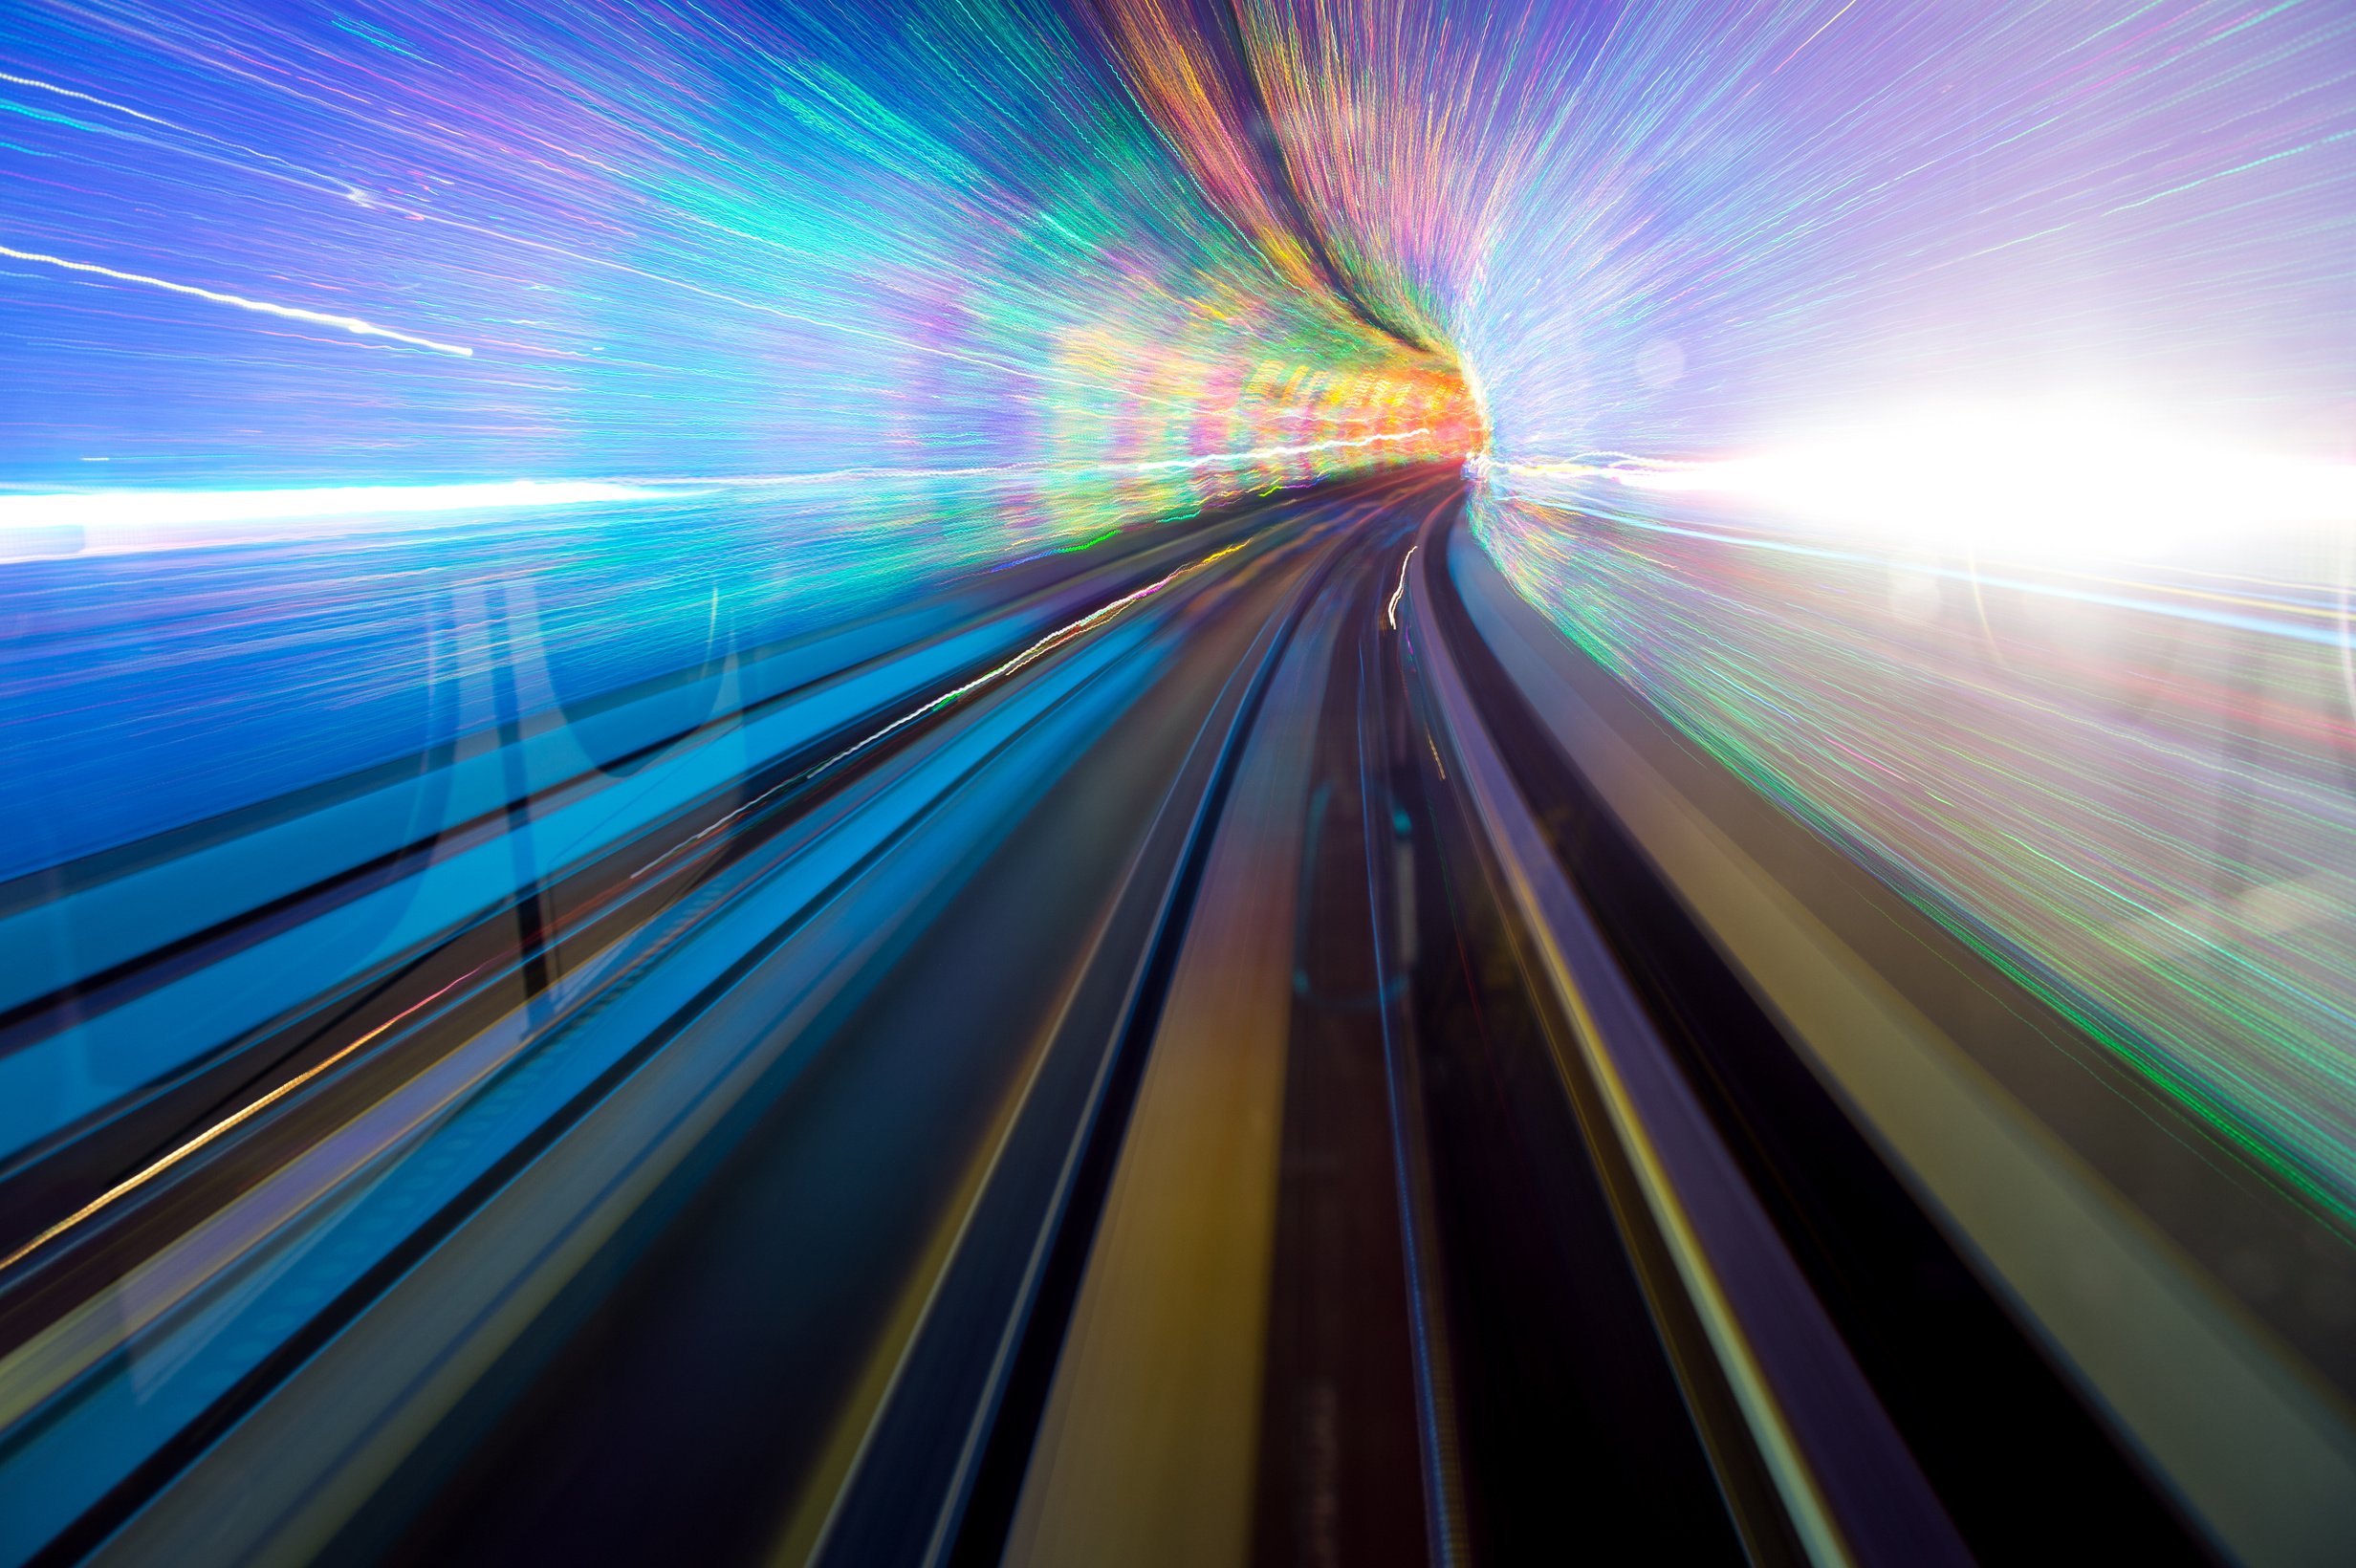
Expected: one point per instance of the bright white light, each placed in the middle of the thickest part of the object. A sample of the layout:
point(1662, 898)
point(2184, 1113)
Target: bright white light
point(110, 522)
point(2052, 477)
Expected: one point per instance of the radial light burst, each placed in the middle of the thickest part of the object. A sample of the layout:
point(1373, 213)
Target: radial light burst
point(1761, 326)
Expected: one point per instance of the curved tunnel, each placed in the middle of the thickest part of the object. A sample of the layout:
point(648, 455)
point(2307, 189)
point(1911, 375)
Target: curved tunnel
point(1177, 783)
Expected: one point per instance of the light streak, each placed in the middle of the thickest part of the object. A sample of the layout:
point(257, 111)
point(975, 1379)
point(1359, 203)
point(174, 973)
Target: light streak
point(1037, 651)
point(1030, 655)
point(1818, 33)
point(86, 98)
point(1391, 612)
point(2047, 479)
point(226, 1125)
point(116, 522)
point(165, 509)
point(352, 324)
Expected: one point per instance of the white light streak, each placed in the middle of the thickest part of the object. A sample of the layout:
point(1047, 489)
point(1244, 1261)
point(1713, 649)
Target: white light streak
point(165, 507)
point(114, 522)
point(1399, 593)
point(2033, 478)
point(85, 98)
point(352, 324)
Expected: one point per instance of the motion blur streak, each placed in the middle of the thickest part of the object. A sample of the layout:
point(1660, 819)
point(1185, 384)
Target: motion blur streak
point(349, 323)
point(1127, 781)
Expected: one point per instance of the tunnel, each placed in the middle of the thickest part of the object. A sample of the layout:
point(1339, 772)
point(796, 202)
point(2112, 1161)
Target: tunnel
point(1168, 783)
